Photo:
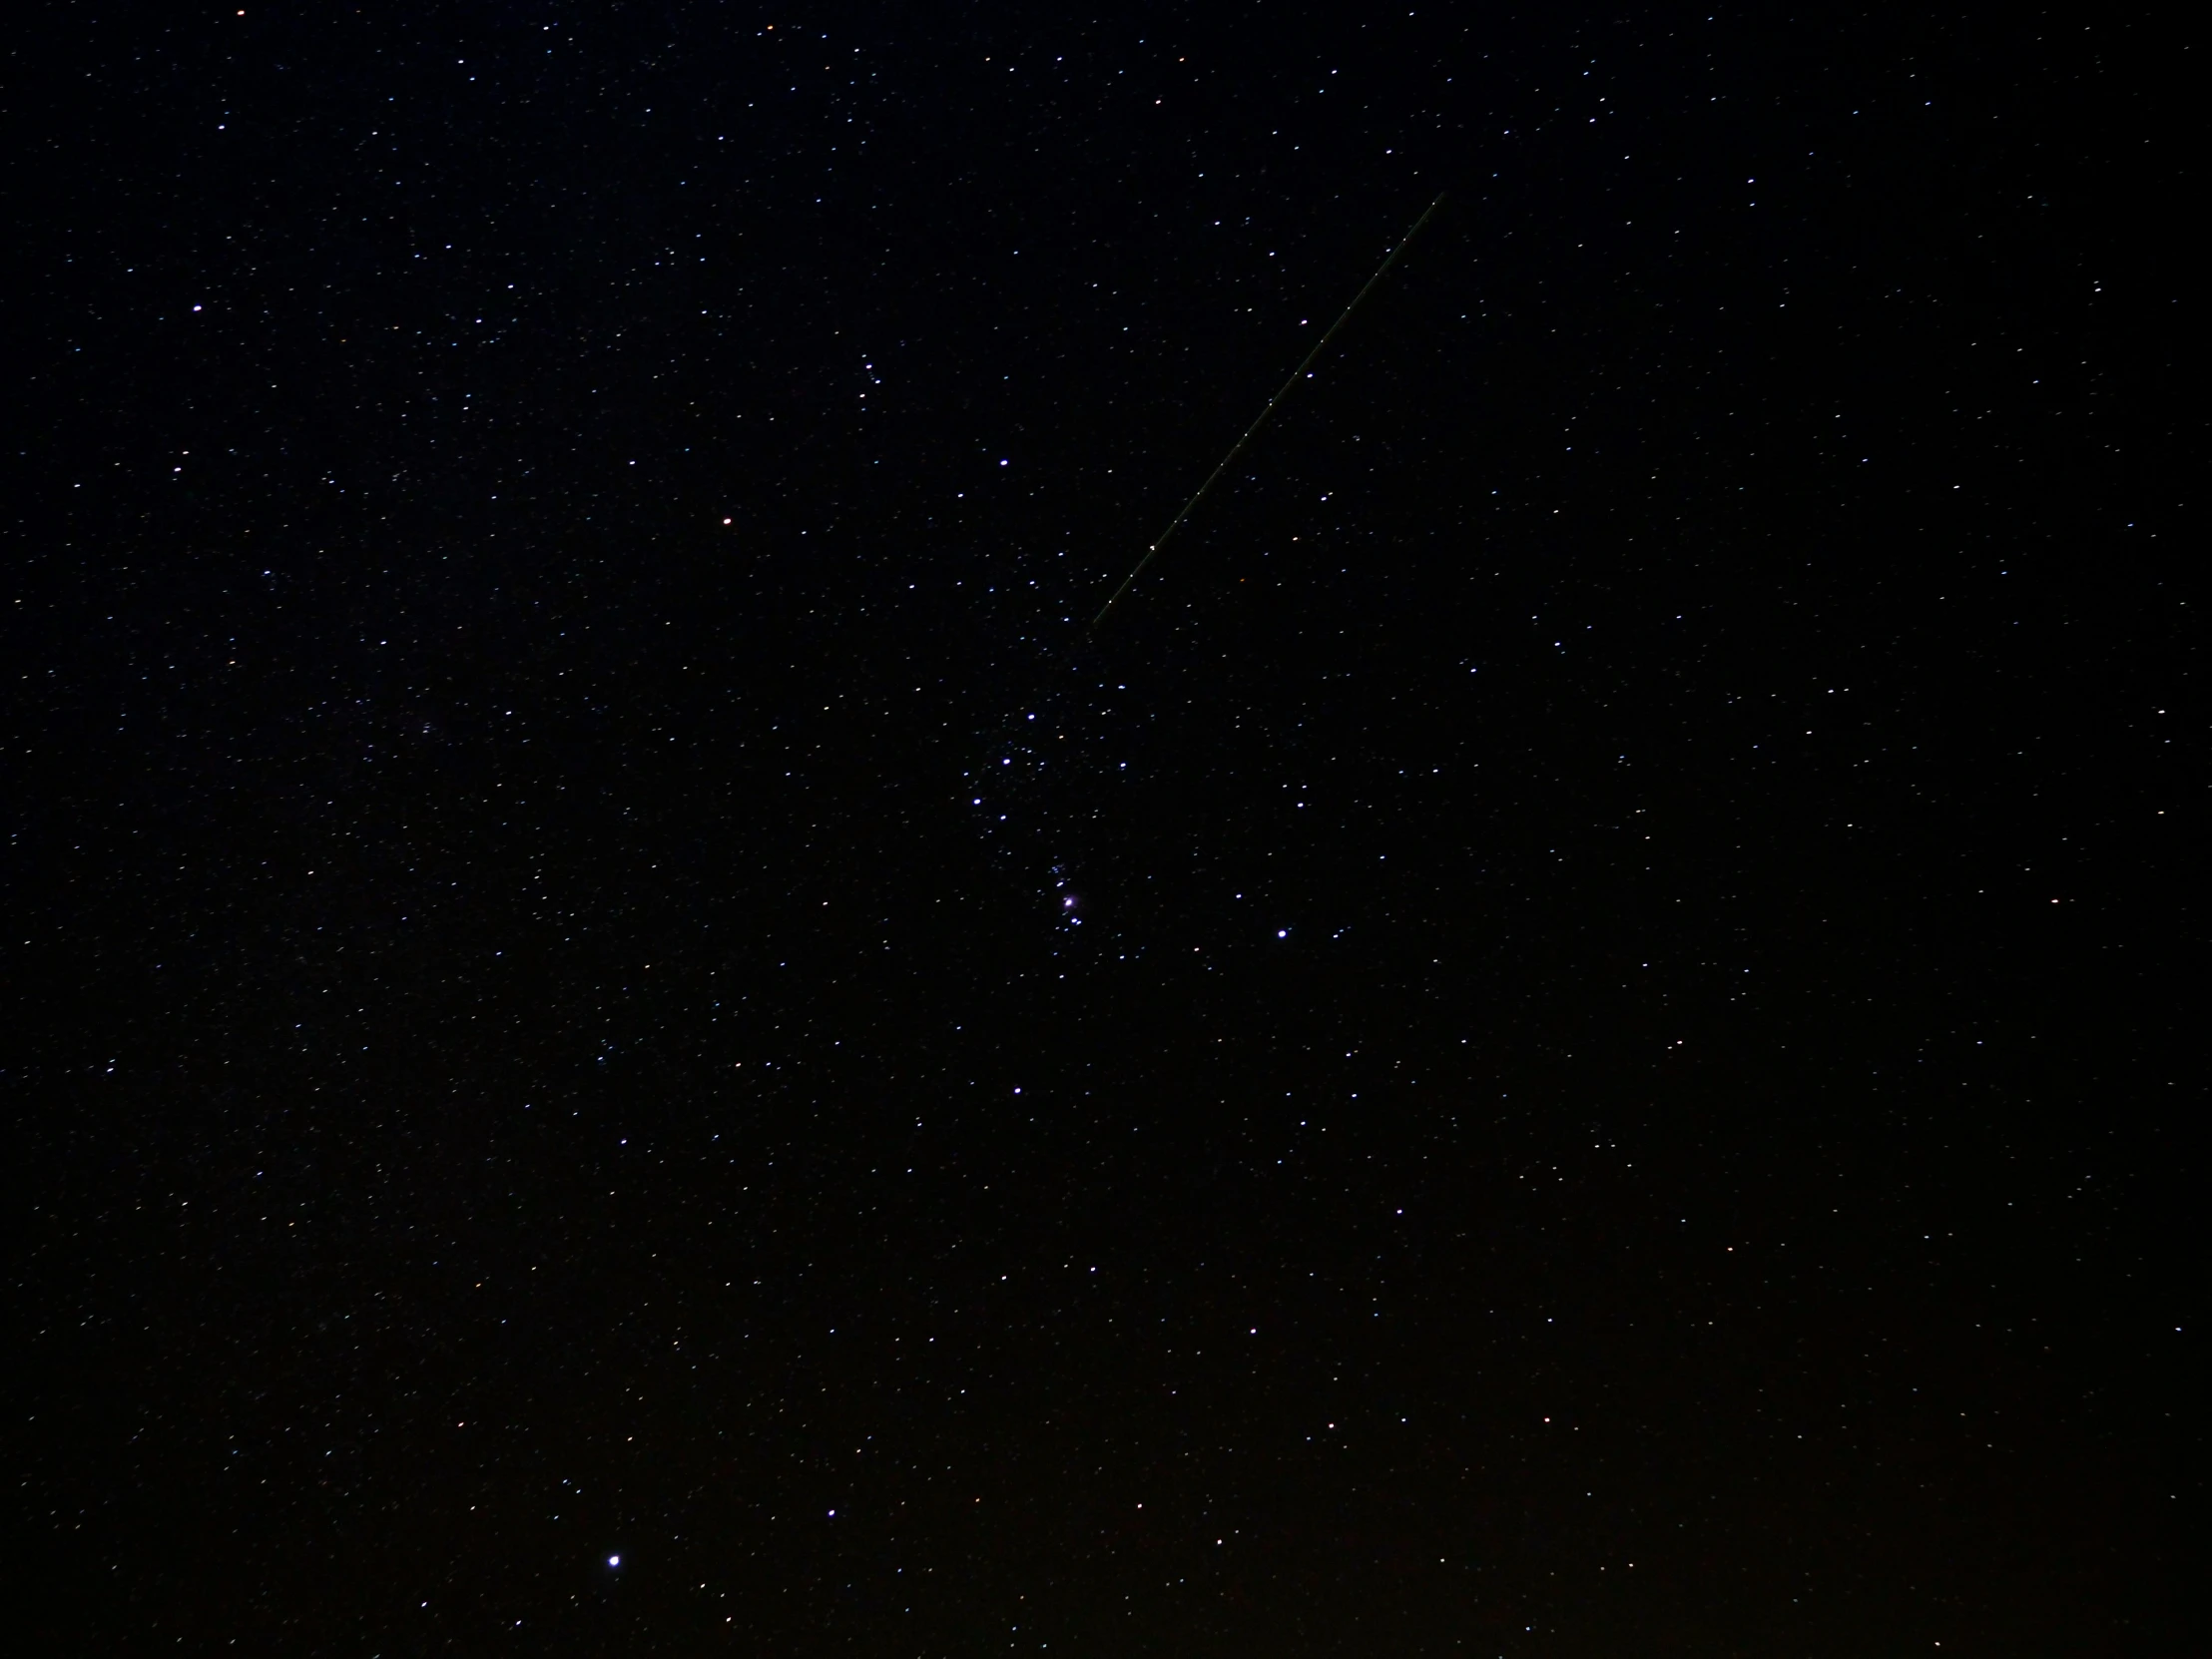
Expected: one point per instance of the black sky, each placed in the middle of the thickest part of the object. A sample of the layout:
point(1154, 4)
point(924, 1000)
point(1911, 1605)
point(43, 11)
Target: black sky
point(1564, 1038)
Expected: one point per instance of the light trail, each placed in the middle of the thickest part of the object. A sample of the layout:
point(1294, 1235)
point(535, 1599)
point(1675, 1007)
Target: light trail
point(1301, 373)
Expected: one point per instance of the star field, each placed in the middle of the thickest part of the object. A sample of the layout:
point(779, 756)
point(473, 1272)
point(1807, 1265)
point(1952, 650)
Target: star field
point(1564, 1036)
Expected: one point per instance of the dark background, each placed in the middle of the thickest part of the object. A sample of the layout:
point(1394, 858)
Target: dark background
point(1612, 1082)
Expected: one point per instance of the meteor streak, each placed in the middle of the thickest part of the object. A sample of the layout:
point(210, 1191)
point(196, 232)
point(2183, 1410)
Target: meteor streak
point(1301, 373)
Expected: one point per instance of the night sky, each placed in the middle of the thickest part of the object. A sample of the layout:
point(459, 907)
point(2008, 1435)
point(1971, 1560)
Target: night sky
point(1564, 1036)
